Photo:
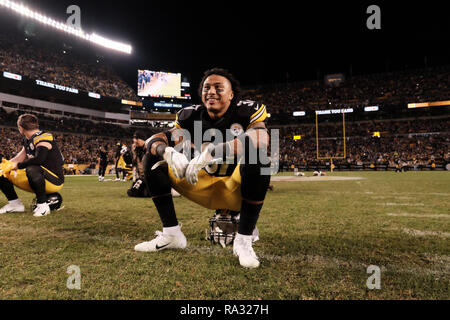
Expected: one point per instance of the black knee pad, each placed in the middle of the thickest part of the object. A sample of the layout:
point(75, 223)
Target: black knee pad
point(138, 189)
point(157, 181)
point(254, 183)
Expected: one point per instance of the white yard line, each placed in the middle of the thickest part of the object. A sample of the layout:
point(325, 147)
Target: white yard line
point(418, 215)
point(314, 179)
point(419, 233)
point(390, 197)
point(380, 194)
point(390, 204)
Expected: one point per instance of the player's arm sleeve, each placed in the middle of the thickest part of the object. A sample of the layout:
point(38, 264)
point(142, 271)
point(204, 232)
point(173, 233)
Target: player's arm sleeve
point(38, 160)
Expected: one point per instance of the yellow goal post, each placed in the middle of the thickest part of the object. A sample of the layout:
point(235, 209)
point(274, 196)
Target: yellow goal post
point(317, 142)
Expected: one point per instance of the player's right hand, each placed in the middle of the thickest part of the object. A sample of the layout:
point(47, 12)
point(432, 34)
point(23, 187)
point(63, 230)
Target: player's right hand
point(177, 162)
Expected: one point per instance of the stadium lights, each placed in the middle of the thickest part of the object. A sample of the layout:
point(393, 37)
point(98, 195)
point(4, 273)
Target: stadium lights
point(110, 44)
point(371, 109)
point(94, 38)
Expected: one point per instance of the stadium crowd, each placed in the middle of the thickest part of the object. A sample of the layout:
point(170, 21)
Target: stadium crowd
point(79, 140)
point(416, 142)
point(61, 67)
point(76, 148)
point(391, 89)
point(78, 126)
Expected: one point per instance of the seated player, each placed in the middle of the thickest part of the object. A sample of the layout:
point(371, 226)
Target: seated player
point(37, 168)
point(222, 176)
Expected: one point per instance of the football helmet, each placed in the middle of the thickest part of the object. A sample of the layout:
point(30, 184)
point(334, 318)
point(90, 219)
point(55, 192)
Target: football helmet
point(223, 227)
point(54, 201)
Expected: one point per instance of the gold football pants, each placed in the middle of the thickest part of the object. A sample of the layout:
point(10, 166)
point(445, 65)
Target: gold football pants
point(212, 192)
point(19, 178)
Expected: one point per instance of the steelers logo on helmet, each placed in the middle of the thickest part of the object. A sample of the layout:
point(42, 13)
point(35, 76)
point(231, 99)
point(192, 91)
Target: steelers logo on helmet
point(236, 129)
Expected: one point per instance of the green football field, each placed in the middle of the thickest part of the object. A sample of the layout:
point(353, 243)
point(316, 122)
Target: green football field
point(318, 239)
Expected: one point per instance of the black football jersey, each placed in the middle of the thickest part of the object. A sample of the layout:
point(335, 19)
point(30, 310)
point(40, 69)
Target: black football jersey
point(236, 121)
point(103, 156)
point(55, 160)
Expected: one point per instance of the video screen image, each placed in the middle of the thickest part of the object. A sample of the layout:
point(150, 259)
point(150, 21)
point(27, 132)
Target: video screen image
point(159, 84)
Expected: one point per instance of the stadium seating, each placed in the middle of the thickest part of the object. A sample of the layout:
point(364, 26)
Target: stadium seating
point(395, 89)
point(418, 142)
point(43, 62)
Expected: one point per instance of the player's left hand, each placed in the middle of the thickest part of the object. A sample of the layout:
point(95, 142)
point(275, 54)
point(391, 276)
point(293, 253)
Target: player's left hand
point(198, 163)
point(6, 167)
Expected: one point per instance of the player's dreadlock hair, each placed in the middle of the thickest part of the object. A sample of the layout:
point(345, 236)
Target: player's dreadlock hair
point(235, 85)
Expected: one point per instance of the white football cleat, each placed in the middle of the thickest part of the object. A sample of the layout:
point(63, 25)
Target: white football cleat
point(242, 248)
point(163, 241)
point(12, 207)
point(42, 210)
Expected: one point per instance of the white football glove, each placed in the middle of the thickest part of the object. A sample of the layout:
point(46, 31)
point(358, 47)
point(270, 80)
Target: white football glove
point(6, 167)
point(177, 162)
point(198, 163)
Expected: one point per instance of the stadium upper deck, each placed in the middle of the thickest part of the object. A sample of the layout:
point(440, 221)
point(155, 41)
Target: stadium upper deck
point(392, 91)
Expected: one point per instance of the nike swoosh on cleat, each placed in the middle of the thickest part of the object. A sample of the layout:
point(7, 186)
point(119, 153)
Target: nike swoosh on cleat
point(162, 247)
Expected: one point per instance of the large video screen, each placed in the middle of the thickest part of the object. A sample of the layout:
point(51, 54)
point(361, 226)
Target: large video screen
point(159, 84)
